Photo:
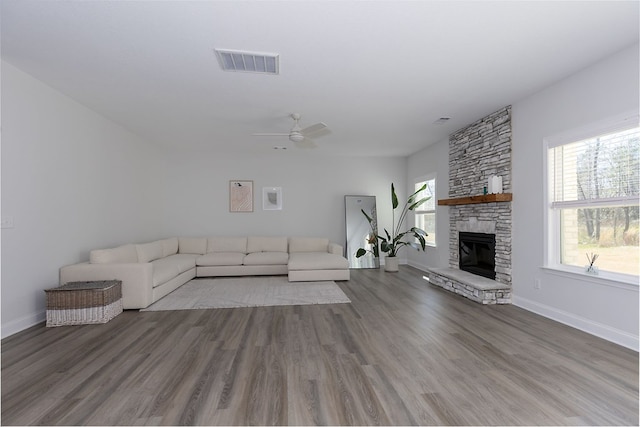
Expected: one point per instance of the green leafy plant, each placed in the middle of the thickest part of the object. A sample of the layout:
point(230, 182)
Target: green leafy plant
point(391, 243)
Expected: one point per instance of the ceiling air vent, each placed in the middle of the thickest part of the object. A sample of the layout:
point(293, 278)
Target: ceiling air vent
point(248, 62)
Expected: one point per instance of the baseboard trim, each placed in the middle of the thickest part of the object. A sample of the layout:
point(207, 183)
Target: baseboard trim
point(419, 266)
point(608, 333)
point(22, 323)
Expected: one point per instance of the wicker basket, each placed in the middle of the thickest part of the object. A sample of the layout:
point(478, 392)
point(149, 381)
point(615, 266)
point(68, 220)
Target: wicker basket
point(81, 303)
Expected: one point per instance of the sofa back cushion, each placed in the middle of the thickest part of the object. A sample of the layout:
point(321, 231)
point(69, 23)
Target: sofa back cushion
point(308, 244)
point(267, 244)
point(227, 244)
point(192, 245)
point(169, 246)
point(148, 252)
point(121, 254)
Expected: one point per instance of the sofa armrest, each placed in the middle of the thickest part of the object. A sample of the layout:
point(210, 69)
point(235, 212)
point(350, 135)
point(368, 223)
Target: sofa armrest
point(335, 248)
point(137, 282)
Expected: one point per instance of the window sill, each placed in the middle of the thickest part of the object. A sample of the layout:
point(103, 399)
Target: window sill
point(624, 281)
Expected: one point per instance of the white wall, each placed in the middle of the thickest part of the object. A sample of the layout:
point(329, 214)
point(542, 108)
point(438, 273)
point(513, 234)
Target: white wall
point(313, 190)
point(433, 159)
point(603, 90)
point(72, 181)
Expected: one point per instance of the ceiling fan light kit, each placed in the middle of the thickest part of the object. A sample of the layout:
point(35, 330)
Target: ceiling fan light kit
point(298, 135)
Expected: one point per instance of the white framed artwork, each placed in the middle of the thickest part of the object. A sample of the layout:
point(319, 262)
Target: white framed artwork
point(272, 198)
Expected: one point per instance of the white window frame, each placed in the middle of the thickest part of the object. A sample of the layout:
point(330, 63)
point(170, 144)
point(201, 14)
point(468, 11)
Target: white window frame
point(429, 177)
point(551, 216)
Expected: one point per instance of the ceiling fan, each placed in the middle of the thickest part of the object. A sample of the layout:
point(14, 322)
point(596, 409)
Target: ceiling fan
point(298, 135)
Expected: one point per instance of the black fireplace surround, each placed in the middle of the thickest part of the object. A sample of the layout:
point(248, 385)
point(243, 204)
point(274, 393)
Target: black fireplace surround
point(477, 253)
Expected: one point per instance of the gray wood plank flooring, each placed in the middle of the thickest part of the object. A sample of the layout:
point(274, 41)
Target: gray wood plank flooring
point(402, 353)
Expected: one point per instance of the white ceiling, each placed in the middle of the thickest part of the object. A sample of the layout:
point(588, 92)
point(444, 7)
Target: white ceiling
point(377, 73)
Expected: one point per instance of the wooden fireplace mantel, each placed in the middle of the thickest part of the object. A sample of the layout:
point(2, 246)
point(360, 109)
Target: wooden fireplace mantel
point(471, 200)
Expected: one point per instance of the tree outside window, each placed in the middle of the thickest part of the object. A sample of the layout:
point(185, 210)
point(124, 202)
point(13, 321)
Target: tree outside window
point(594, 192)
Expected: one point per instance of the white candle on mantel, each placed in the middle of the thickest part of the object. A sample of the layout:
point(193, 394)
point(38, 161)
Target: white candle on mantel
point(495, 184)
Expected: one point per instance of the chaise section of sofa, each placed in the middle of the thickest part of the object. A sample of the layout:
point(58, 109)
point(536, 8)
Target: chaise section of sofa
point(312, 259)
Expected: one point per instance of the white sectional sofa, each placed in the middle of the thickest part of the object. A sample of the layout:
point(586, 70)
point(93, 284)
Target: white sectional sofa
point(150, 271)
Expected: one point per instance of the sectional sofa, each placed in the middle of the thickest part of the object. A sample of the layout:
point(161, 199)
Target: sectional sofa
point(150, 271)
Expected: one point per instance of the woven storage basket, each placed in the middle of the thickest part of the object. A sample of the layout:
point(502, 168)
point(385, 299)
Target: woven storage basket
point(80, 303)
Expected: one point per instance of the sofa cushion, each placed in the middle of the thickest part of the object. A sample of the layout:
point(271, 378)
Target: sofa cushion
point(121, 254)
point(148, 252)
point(308, 244)
point(266, 258)
point(165, 269)
point(267, 244)
point(317, 261)
point(220, 258)
point(169, 246)
point(183, 262)
point(227, 244)
point(192, 245)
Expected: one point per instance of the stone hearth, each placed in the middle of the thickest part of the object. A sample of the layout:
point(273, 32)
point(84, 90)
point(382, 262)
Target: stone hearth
point(476, 288)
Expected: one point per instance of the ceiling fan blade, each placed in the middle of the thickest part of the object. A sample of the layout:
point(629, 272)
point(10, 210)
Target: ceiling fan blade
point(306, 143)
point(270, 134)
point(313, 128)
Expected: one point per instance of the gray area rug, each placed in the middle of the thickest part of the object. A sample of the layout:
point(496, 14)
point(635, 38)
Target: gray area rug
point(248, 292)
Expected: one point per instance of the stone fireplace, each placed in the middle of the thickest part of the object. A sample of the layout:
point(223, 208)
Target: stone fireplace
point(481, 150)
point(489, 218)
point(477, 152)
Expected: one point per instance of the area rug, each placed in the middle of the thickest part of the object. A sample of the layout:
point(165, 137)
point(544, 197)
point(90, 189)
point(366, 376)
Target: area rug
point(248, 292)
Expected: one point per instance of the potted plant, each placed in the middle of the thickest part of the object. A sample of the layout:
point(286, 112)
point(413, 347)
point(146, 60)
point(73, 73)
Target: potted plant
point(391, 243)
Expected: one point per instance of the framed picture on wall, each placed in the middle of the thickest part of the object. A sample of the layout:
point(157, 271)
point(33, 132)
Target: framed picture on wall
point(272, 198)
point(240, 196)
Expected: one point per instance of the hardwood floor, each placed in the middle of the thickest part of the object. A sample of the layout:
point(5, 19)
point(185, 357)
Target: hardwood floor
point(403, 353)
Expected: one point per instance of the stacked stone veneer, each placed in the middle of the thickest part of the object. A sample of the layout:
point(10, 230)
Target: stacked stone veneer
point(476, 152)
point(468, 287)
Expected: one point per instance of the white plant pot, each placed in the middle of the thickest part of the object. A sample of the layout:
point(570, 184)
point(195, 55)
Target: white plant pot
point(391, 264)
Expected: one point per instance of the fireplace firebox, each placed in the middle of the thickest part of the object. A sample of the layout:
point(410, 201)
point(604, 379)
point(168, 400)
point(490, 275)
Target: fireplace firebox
point(477, 253)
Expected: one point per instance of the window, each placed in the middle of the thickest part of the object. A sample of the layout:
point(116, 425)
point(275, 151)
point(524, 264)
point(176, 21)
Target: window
point(425, 215)
point(593, 199)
